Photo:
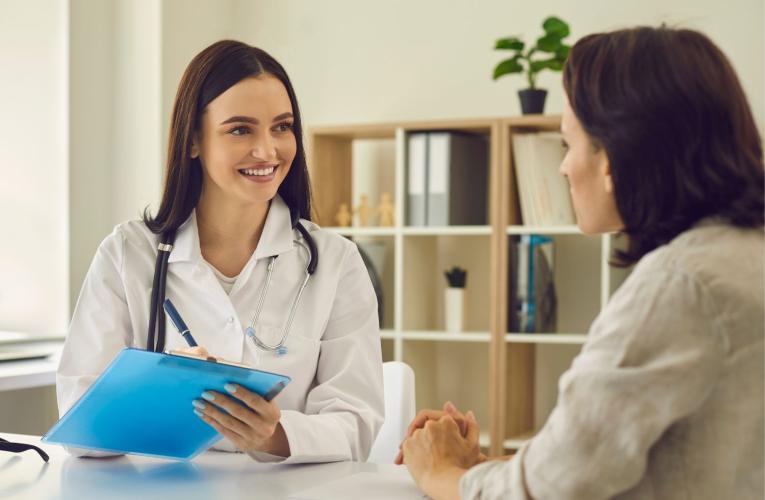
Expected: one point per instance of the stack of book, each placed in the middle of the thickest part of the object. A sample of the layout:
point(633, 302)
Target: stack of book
point(533, 303)
point(544, 192)
point(447, 179)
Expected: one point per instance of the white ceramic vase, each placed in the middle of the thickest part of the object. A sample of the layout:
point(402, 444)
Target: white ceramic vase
point(454, 309)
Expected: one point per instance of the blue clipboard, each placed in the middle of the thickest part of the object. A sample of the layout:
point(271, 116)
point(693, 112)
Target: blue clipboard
point(141, 404)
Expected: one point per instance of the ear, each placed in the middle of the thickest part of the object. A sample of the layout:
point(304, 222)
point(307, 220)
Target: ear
point(194, 147)
point(605, 170)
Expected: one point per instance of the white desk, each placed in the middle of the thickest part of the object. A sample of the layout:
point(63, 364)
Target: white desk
point(210, 476)
point(26, 374)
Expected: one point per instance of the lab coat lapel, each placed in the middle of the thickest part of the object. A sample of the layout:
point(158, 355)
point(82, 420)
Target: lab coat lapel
point(186, 247)
point(277, 232)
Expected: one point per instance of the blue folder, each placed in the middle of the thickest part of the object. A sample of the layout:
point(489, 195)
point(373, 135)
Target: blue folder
point(141, 404)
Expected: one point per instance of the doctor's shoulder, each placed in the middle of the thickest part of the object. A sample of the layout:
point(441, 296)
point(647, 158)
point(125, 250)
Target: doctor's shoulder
point(130, 241)
point(332, 247)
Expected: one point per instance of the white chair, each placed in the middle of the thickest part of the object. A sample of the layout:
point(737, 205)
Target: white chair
point(398, 381)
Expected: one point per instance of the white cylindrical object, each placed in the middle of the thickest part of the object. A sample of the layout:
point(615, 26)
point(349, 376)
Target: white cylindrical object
point(454, 309)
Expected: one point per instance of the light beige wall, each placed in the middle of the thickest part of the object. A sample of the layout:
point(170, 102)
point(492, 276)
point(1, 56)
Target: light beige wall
point(188, 26)
point(91, 129)
point(34, 255)
point(363, 61)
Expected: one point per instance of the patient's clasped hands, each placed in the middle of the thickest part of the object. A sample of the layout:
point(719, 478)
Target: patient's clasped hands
point(439, 448)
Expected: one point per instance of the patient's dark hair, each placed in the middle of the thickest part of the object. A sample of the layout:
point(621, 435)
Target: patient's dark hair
point(670, 113)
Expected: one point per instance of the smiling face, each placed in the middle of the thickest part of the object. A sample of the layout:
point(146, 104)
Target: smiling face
point(246, 143)
point(588, 172)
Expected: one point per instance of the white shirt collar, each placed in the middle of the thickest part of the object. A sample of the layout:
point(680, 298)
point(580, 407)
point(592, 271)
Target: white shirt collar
point(276, 238)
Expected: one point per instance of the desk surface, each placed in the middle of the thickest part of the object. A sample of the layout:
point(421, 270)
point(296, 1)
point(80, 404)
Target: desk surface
point(211, 475)
point(25, 374)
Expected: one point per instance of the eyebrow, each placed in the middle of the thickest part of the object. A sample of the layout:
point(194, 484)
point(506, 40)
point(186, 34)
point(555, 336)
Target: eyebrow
point(254, 121)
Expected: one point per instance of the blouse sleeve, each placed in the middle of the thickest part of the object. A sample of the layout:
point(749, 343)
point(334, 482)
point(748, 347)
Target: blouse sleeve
point(651, 359)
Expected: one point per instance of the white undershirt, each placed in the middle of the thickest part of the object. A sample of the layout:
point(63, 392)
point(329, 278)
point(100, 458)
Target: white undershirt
point(225, 282)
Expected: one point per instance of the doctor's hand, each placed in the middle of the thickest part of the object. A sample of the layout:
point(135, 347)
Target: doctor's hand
point(245, 418)
point(437, 455)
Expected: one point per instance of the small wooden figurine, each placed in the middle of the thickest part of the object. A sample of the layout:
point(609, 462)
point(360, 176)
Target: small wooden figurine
point(386, 211)
point(343, 217)
point(363, 210)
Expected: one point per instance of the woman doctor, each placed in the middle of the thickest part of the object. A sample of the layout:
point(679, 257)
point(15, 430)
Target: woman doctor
point(236, 172)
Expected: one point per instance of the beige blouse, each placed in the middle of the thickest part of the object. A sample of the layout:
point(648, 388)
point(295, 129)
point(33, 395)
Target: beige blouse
point(666, 398)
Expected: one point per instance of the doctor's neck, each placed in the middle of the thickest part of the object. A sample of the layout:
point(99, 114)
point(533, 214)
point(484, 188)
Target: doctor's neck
point(223, 223)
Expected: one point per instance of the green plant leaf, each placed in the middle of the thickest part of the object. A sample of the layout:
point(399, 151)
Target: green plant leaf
point(511, 43)
point(507, 67)
point(549, 43)
point(562, 52)
point(556, 26)
point(554, 64)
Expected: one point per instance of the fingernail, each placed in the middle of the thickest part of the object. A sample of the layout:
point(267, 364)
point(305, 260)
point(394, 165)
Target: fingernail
point(450, 406)
point(209, 396)
point(471, 415)
point(199, 404)
point(197, 412)
point(230, 388)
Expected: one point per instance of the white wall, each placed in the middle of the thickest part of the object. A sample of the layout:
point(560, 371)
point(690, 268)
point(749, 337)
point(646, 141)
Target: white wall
point(127, 57)
point(354, 61)
point(34, 254)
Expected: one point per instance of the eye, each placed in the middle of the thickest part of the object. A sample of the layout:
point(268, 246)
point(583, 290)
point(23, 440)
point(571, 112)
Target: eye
point(283, 127)
point(239, 131)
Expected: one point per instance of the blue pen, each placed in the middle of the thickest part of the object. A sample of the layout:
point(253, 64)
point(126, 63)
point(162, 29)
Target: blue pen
point(178, 322)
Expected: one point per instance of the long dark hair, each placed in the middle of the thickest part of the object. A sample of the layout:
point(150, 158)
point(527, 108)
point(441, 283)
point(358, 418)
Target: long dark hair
point(668, 109)
point(213, 71)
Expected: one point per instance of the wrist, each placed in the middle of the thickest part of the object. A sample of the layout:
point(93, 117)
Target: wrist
point(277, 444)
point(444, 483)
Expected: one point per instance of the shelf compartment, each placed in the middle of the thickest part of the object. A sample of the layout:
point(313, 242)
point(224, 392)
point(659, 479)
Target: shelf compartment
point(446, 371)
point(425, 258)
point(576, 267)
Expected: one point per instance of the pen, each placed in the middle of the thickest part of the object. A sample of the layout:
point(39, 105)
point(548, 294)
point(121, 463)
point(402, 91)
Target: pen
point(178, 322)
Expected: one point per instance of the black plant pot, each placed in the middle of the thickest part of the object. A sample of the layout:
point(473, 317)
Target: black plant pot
point(532, 101)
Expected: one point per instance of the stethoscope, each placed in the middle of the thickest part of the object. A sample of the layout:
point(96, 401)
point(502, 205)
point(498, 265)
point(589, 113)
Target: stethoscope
point(157, 328)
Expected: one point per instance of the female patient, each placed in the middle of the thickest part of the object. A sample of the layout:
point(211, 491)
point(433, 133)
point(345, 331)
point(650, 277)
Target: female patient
point(666, 398)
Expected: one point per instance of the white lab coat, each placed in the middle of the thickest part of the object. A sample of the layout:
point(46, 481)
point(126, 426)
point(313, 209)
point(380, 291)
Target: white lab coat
point(332, 409)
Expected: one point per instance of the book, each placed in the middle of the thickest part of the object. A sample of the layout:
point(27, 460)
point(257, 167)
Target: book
point(447, 179)
point(532, 302)
point(544, 193)
point(457, 179)
point(417, 171)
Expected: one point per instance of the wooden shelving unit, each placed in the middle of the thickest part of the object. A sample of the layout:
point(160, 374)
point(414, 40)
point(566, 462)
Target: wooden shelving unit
point(485, 368)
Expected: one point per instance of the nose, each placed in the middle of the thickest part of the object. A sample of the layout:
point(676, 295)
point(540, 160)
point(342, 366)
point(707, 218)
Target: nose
point(263, 147)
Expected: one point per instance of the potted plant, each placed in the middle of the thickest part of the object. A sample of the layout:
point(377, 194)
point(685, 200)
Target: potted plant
point(550, 53)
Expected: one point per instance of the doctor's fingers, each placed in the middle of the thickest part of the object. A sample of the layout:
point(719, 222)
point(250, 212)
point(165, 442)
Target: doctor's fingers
point(268, 410)
point(196, 351)
point(238, 440)
point(254, 424)
point(227, 420)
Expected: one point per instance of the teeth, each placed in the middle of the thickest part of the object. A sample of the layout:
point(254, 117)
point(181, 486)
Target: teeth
point(260, 171)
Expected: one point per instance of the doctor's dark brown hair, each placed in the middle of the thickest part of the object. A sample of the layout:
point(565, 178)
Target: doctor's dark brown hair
point(670, 113)
point(213, 71)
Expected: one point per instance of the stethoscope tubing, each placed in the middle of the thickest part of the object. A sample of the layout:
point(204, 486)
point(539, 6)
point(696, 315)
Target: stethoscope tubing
point(159, 286)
